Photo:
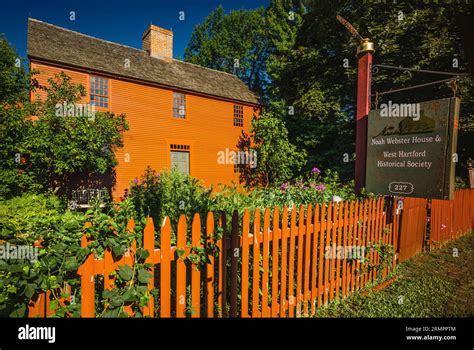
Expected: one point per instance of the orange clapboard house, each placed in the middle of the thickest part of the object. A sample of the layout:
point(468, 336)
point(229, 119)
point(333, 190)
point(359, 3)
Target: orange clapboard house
point(180, 114)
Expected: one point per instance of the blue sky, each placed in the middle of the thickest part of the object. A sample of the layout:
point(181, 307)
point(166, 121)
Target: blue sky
point(121, 21)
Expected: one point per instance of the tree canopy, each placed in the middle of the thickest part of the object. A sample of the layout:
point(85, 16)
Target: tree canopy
point(310, 69)
point(43, 150)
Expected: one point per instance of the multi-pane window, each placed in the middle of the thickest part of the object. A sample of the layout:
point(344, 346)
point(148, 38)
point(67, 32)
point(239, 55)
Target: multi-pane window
point(179, 106)
point(99, 90)
point(238, 115)
point(180, 158)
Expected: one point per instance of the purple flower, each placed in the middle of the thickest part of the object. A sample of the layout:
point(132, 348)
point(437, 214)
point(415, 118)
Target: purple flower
point(320, 187)
point(135, 180)
point(315, 171)
point(284, 186)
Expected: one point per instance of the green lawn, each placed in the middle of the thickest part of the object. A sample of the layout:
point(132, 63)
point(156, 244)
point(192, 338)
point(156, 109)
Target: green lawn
point(436, 284)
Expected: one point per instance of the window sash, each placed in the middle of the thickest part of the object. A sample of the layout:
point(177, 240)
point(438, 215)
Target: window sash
point(99, 91)
point(238, 115)
point(179, 106)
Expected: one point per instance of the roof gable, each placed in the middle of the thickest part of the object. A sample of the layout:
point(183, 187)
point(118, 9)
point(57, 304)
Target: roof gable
point(56, 44)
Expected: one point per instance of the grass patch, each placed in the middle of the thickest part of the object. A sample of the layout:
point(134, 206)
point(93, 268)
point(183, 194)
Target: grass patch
point(436, 284)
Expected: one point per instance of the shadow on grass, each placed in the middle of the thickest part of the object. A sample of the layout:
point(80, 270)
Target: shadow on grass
point(435, 284)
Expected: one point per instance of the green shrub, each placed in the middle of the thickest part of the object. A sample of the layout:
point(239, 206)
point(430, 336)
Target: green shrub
point(42, 221)
point(169, 193)
point(37, 219)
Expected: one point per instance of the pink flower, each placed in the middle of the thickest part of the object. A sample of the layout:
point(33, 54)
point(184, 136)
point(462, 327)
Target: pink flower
point(135, 180)
point(315, 171)
point(284, 186)
point(320, 187)
point(443, 226)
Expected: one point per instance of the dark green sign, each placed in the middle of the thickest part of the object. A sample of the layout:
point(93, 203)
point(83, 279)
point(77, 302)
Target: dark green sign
point(411, 148)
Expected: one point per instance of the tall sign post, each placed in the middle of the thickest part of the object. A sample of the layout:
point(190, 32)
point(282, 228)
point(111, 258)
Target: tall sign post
point(364, 57)
point(364, 80)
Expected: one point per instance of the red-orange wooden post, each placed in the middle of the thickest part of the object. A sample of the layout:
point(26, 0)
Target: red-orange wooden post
point(345, 245)
point(210, 266)
point(332, 266)
point(284, 256)
point(339, 244)
point(149, 244)
point(307, 260)
point(256, 265)
point(129, 259)
point(235, 251)
point(299, 262)
point(181, 268)
point(195, 270)
point(314, 259)
point(109, 267)
point(321, 254)
point(36, 306)
point(275, 280)
point(353, 243)
point(364, 56)
point(360, 242)
point(245, 264)
point(165, 273)
point(291, 265)
point(222, 287)
point(326, 258)
point(87, 283)
point(266, 253)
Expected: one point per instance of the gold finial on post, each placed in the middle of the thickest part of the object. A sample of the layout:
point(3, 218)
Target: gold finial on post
point(365, 46)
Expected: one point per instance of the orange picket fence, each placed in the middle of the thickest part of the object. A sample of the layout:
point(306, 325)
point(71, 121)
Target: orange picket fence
point(451, 219)
point(276, 264)
point(412, 227)
point(269, 264)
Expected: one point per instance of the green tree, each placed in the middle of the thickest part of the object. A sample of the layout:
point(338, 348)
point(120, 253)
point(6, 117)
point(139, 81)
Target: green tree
point(283, 18)
point(51, 151)
point(13, 79)
point(306, 50)
point(322, 90)
point(64, 146)
point(277, 160)
point(234, 43)
point(15, 123)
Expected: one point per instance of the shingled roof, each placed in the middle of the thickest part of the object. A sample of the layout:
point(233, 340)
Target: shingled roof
point(55, 44)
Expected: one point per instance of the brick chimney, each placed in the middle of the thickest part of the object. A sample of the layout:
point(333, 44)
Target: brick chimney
point(158, 42)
